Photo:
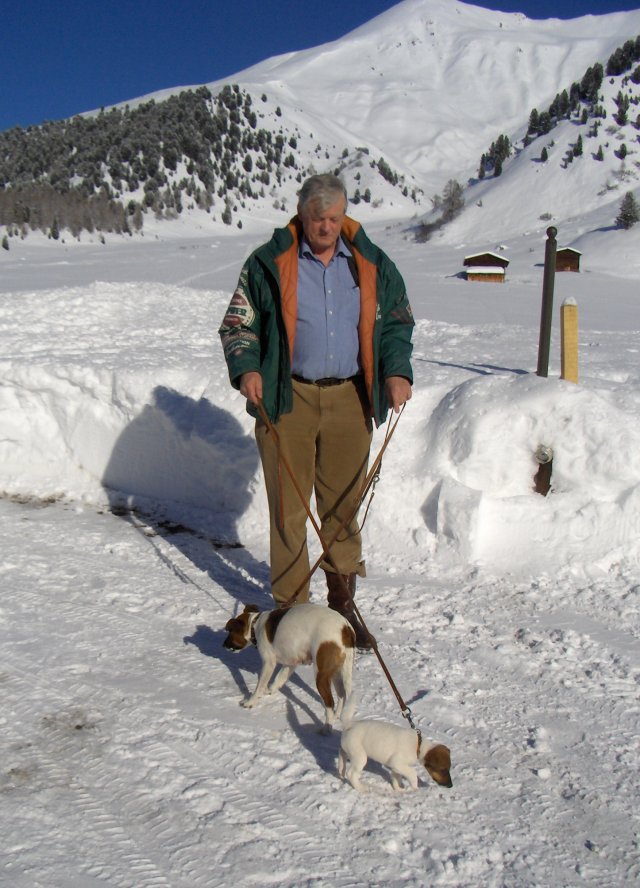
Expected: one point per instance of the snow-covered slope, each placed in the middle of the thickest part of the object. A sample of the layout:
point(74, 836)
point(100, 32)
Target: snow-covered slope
point(432, 82)
point(428, 86)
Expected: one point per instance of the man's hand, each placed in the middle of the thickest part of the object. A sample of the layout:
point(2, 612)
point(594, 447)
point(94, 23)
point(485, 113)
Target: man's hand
point(251, 386)
point(398, 391)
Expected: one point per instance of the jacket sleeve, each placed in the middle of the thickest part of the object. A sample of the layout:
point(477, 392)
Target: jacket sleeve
point(397, 324)
point(240, 328)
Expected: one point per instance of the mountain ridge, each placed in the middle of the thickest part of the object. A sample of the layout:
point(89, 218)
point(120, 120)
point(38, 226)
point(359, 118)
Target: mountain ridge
point(420, 90)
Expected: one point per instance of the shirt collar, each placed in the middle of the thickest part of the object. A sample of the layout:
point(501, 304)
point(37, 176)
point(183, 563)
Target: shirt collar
point(341, 249)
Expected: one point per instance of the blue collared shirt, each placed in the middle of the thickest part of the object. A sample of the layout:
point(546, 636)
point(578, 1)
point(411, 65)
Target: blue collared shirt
point(326, 341)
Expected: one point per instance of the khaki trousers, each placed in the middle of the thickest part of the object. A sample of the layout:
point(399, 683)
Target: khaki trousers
point(326, 441)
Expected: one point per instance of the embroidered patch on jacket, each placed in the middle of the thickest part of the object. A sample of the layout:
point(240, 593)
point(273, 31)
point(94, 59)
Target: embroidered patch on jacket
point(240, 311)
point(236, 341)
point(403, 314)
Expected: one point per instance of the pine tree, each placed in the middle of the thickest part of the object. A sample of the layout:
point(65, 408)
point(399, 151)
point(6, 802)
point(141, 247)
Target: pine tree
point(622, 115)
point(544, 123)
point(452, 200)
point(227, 217)
point(629, 212)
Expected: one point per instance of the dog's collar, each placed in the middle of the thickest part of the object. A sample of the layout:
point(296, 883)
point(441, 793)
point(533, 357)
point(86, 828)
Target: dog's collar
point(253, 637)
point(419, 733)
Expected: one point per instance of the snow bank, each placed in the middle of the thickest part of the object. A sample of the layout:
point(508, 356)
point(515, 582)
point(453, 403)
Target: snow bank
point(481, 445)
point(119, 395)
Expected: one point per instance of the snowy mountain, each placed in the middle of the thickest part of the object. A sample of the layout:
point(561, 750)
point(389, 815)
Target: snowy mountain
point(431, 83)
point(399, 106)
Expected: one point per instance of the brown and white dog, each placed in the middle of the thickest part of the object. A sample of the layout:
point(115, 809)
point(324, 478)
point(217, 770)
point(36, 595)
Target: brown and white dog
point(397, 748)
point(304, 633)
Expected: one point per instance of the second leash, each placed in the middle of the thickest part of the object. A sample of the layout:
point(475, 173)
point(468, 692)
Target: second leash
point(326, 547)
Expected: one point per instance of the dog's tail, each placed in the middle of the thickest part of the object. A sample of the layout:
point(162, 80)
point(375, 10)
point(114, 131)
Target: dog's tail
point(346, 717)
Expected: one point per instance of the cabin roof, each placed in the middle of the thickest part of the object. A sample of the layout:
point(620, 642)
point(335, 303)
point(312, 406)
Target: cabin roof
point(468, 260)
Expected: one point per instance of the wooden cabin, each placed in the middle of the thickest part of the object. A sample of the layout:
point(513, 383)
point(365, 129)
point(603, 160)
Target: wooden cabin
point(567, 259)
point(486, 266)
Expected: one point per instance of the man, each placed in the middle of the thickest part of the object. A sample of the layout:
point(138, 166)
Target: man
point(319, 333)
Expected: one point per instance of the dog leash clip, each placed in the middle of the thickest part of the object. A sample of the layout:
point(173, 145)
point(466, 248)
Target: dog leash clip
point(406, 713)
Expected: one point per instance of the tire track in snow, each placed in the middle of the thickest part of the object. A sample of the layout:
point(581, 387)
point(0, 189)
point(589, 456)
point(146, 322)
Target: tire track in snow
point(159, 851)
point(138, 826)
point(73, 749)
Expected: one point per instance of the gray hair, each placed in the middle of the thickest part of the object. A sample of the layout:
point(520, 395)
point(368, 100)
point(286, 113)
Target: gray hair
point(322, 189)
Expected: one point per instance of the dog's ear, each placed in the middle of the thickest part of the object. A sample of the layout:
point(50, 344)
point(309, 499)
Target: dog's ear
point(234, 624)
point(251, 609)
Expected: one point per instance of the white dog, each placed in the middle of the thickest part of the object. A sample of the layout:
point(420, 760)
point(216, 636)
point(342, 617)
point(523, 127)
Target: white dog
point(304, 633)
point(397, 748)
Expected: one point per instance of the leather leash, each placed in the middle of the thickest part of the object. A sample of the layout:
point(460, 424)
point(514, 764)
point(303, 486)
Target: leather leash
point(285, 462)
point(369, 481)
point(406, 712)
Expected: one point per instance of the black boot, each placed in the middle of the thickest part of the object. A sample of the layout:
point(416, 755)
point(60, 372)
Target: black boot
point(340, 599)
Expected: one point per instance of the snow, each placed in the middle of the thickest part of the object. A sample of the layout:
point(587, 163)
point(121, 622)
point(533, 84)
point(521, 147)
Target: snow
point(509, 621)
point(428, 86)
point(383, 85)
point(134, 525)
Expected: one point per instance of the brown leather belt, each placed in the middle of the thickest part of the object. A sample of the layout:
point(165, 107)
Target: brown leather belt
point(324, 382)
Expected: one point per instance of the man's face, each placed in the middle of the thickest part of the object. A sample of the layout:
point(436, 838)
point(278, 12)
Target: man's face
point(322, 227)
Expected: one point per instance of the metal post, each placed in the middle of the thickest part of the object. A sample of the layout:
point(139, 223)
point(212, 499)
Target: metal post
point(547, 301)
point(542, 478)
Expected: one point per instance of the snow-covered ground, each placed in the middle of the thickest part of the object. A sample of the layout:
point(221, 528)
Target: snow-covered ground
point(134, 519)
point(134, 525)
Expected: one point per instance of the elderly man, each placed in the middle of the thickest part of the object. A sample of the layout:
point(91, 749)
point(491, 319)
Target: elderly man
point(319, 332)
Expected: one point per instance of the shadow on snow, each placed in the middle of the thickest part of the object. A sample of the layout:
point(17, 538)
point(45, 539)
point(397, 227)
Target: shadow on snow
point(181, 471)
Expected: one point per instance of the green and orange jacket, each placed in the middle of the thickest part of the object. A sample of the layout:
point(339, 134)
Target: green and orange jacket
point(258, 330)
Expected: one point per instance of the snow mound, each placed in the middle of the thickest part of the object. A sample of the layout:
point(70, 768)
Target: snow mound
point(481, 443)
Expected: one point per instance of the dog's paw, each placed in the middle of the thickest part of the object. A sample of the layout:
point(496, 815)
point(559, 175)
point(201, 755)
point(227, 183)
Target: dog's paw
point(403, 787)
point(398, 784)
point(248, 702)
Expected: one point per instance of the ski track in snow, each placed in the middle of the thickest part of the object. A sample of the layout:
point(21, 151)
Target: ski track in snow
point(128, 761)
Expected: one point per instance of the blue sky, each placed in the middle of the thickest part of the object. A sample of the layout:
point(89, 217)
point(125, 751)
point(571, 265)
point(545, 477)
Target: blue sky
point(59, 59)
